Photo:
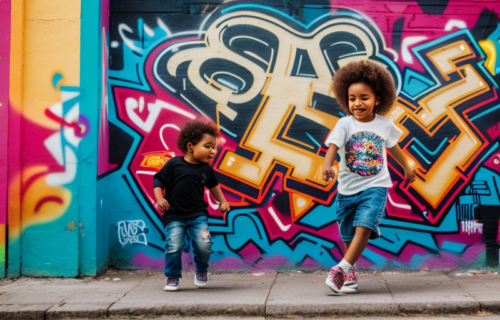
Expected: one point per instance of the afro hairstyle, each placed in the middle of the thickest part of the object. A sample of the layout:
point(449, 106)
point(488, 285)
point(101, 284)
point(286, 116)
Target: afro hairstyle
point(193, 132)
point(378, 78)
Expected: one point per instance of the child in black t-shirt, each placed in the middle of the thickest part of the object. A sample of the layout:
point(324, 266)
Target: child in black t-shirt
point(185, 211)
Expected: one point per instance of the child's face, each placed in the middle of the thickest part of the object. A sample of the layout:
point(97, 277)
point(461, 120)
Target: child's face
point(205, 150)
point(362, 101)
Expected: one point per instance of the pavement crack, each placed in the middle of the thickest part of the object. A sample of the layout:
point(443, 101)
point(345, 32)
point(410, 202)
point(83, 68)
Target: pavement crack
point(465, 291)
point(55, 304)
point(385, 282)
point(270, 289)
point(45, 311)
point(392, 295)
point(107, 310)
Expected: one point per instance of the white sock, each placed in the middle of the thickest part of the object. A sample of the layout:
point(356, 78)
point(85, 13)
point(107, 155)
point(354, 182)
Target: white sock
point(345, 265)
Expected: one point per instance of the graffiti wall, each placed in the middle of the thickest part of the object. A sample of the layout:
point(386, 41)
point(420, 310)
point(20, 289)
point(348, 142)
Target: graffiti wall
point(93, 94)
point(262, 71)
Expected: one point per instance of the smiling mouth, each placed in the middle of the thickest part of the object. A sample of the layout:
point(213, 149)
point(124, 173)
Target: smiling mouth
point(359, 110)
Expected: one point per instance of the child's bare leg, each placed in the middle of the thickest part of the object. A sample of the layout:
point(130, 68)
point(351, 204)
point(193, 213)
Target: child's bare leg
point(346, 245)
point(357, 245)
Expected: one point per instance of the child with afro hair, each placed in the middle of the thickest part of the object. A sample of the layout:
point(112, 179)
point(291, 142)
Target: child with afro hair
point(366, 92)
point(184, 179)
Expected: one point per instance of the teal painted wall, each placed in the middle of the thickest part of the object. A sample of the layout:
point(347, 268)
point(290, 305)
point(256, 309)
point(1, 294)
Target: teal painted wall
point(93, 82)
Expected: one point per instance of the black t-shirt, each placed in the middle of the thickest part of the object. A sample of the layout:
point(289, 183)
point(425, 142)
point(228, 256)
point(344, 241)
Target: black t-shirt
point(184, 184)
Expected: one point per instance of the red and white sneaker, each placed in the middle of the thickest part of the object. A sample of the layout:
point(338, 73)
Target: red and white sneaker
point(350, 283)
point(335, 279)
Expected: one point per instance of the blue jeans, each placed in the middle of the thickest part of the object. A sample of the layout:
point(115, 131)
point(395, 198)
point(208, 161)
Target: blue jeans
point(196, 232)
point(362, 209)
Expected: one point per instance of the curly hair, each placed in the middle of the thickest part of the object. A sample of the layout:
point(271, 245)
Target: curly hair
point(379, 79)
point(193, 131)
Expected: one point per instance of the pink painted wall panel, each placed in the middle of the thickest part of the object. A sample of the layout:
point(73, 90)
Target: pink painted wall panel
point(4, 102)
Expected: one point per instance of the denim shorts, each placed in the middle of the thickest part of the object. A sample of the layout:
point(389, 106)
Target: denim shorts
point(362, 209)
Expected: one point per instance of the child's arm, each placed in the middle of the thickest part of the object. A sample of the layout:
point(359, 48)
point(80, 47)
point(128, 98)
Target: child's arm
point(219, 196)
point(160, 200)
point(403, 160)
point(160, 181)
point(328, 172)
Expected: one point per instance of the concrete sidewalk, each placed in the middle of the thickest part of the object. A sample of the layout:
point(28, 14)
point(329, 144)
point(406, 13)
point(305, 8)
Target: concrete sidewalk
point(139, 294)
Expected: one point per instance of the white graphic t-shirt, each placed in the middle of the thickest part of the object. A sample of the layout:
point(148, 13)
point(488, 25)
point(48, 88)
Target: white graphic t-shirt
point(362, 150)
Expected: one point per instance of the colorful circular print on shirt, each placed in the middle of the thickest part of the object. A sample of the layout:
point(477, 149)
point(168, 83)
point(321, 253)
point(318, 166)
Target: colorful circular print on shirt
point(363, 153)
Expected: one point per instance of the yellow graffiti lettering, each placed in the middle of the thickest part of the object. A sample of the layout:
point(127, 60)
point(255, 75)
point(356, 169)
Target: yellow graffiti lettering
point(441, 104)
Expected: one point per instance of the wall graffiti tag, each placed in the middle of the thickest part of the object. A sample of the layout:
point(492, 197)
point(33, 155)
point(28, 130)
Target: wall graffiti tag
point(132, 232)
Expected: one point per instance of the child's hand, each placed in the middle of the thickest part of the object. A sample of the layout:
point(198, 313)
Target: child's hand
point(224, 207)
point(328, 173)
point(409, 174)
point(163, 205)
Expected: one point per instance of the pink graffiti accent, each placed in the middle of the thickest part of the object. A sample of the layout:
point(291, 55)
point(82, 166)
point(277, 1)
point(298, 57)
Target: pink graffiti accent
point(34, 150)
point(397, 206)
point(48, 199)
point(79, 131)
point(493, 162)
point(250, 252)
point(473, 252)
point(364, 263)
point(468, 240)
point(105, 16)
point(467, 256)
point(310, 263)
point(141, 261)
point(494, 131)
point(445, 260)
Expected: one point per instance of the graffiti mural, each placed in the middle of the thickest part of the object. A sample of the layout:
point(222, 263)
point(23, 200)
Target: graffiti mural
point(263, 73)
